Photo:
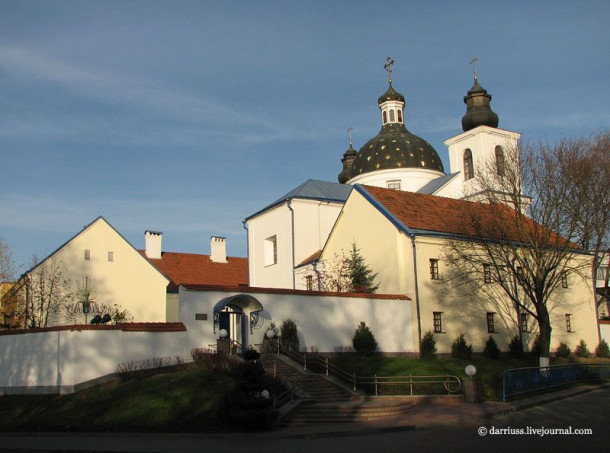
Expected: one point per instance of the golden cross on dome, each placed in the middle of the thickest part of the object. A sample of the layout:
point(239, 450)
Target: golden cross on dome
point(349, 133)
point(388, 67)
point(473, 62)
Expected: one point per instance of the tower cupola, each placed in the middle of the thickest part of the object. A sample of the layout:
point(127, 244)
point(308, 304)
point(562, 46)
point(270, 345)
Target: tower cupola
point(478, 109)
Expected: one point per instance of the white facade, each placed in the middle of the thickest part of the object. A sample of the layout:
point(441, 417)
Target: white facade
point(409, 179)
point(284, 235)
point(482, 141)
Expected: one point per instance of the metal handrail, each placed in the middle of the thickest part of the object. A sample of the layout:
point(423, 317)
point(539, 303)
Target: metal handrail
point(451, 383)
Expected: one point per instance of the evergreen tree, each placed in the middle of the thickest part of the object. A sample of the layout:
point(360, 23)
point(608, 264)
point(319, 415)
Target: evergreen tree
point(360, 275)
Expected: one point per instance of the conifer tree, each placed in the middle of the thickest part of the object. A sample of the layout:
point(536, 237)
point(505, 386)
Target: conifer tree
point(360, 274)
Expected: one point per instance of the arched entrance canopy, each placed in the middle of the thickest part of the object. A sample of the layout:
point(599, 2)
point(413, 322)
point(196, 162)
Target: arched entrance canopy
point(239, 304)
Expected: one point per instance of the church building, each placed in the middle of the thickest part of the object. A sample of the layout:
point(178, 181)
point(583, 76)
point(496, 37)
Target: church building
point(400, 206)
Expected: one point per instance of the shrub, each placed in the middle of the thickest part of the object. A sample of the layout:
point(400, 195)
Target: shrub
point(210, 359)
point(290, 335)
point(602, 349)
point(251, 354)
point(491, 349)
point(243, 404)
point(460, 349)
point(515, 347)
point(428, 346)
point(563, 350)
point(364, 341)
point(144, 368)
point(582, 350)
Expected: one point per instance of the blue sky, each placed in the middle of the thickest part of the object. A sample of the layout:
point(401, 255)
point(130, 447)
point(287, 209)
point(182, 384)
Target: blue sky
point(187, 116)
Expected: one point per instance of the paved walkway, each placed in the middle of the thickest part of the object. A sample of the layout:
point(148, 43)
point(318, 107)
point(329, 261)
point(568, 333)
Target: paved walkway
point(433, 414)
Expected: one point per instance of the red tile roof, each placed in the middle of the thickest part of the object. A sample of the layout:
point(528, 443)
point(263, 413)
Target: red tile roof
point(194, 269)
point(458, 217)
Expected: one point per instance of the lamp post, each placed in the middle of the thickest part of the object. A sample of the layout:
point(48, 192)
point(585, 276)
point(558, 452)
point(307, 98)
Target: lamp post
point(472, 391)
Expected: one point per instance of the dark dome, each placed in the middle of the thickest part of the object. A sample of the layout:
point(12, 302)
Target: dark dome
point(395, 147)
point(348, 158)
point(478, 109)
point(391, 95)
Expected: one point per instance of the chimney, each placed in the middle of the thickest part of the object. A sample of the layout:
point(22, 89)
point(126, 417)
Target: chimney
point(218, 249)
point(153, 244)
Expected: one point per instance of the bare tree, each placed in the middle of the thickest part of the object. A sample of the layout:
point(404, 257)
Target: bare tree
point(535, 233)
point(46, 292)
point(7, 265)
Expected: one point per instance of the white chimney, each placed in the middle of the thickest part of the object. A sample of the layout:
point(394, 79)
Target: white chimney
point(218, 249)
point(153, 244)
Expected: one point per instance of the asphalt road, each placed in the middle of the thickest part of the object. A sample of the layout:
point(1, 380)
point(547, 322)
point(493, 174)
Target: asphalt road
point(499, 434)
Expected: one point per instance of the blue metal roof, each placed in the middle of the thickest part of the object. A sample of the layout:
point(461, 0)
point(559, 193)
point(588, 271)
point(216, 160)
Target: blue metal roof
point(436, 184)
point(313, 189)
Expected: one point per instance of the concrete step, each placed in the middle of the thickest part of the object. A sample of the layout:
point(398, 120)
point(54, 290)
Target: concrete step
point(322, 414)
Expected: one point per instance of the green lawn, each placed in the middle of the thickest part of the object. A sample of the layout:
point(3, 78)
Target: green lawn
point(179, 401)
point(489, 371)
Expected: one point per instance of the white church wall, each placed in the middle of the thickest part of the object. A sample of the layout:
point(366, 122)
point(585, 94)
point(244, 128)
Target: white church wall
point(313, 221)
point(411, 179)
point(58, 360)
point(263, 272)
point(324, 321)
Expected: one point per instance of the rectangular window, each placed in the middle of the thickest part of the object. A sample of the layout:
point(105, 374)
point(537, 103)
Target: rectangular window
point(394, 185)
point(491, 326)
point(270, 251)
point(568, 322)
point(487, 273)
point(309, 282)
point(564, 280)
point(602, 271)
point(87, 255)
point(434, 269)
point(110, 257)
point(524, 322)
point(438, 322)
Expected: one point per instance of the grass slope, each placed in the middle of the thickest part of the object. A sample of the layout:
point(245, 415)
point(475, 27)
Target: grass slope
point(179, 401)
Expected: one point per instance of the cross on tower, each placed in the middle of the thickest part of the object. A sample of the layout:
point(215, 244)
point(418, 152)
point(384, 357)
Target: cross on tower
point(473, 62)
point(388, 67)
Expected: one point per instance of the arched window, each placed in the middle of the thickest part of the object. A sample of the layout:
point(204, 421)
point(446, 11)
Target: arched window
point(392, 116)
point(499, 160)
point(385, 117)
point(468, 167)
point(399, 111)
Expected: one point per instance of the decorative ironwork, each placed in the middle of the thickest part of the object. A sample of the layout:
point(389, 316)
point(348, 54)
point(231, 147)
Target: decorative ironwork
point(256, 321)
point(216, 320)
point(85, 303)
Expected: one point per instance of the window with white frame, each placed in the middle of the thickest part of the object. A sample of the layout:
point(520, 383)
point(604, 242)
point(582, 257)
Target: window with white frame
point(434, 275)
point(491, 325)
point(393, 184)
point(270, 251)
point(438, 321)
point(487, 273)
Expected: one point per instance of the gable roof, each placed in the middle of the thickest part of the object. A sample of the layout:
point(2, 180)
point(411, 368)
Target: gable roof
point(195, 269)
point(80, 233)
point(313, 189)
point(417, 213)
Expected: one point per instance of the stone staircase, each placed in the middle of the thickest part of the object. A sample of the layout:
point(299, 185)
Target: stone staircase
point(324, 401)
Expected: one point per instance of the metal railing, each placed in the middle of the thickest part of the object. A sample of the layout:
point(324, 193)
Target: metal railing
point(412, 385)
point(519, 381)
point(394, 385)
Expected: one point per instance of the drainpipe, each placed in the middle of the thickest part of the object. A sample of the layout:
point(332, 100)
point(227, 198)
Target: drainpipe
point(288, 204)
point(416, 290)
